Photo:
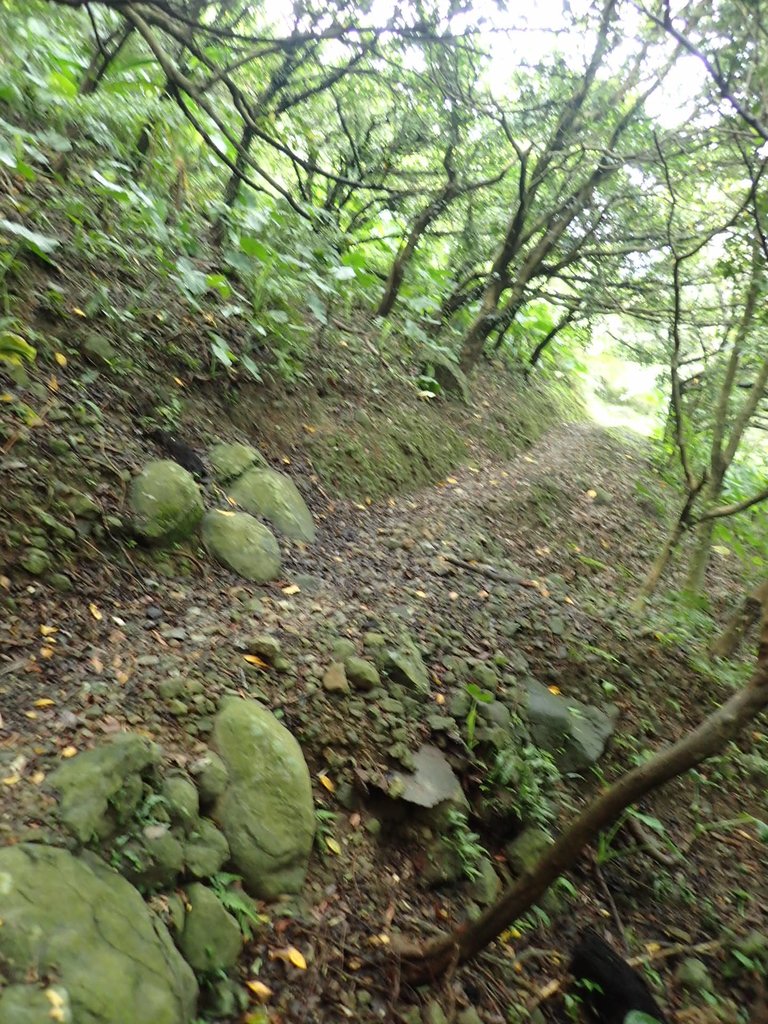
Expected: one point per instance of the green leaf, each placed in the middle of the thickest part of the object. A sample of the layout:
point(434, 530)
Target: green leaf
point(479, 694)
point(40, 244)
point(221, 351)
point(13, 349)
point(253, 247)
point(247, 363)
point(638, 1017)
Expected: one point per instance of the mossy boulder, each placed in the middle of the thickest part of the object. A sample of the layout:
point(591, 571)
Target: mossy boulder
point(181, 800)
point(153, 860)
point(206, 850)
point(211, 940)
point(211, 777)
point(231, 460)
point(275, 497)
point(77, 920)
point(243, 544)
point(361, 673)
point(266, 811)
point(165, 501)
point(101, 788)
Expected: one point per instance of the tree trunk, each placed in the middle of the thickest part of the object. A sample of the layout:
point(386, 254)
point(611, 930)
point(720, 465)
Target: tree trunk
point(425, 963)
point(232, 189)
point(742, 620)
point(697, 566)
point(659, 566)
point(101, 60)
point(404, 256)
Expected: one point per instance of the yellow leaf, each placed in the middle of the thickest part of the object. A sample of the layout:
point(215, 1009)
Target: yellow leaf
point(93, 609)
point(177, 380)
point(439, 698)
point(53, 383)
point(260, 990)
point(327, 783)
point(11, 780)
point(31, 714)
point(7, 397)
point(48, 630)
point(60, 358)
point(591, 494)
point(285, 460)
point(224, 512)
point(554, 689)
point(59, 1009)
point(297, 958)
point(290, 591)
point(44, 702)
point(310, 429)
point(333, 845)
point(254, 659)
point(451, 480)
point(38, 778)
point(46, 652)
point(69, 751)
point(78, 312)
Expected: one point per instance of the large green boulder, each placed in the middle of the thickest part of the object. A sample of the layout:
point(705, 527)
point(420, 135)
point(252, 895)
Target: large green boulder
point(405, 665)
point(211, 940)
point(230, 460)
point(80, 922)
point(274, 496)
point(242, 543)
point(165, 502)
point(101, 788)
point(266, 811)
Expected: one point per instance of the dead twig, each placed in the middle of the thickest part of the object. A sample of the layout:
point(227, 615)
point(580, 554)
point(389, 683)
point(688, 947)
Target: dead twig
point(491, 572)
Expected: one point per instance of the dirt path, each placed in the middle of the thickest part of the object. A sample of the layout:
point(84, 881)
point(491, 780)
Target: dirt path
point(566, 517)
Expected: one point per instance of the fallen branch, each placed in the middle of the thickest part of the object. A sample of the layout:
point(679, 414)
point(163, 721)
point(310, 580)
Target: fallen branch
point(482, 569)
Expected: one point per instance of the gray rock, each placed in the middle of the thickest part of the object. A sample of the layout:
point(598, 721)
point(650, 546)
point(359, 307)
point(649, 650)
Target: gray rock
point(574, 733)
point(206, 850)
point(432, 783)
point(243, 544)
point(211, 940)
point(230, 460)
point(486, 886)
point(335, 679)
point(448, 375)
point(165, 501)
point(266, 811)
point(361, 673)
point(77, 920)
point(404, 665)
point(98, 350)
point(264, 645)
point(101, 788)
point(275, 497)
point(525, 850)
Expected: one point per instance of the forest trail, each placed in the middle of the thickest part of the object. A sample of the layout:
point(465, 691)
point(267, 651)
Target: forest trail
point(139, 651)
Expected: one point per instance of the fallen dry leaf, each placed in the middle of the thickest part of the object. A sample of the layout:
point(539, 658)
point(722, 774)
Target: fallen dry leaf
point(94, 610)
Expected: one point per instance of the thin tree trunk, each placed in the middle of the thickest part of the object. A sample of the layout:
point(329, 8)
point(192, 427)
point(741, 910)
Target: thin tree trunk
point(425, 963)
point(101, 60)
point(404, 256)
point(699, 561)
point(659, 566)
point(232, 189)
point(742, 620)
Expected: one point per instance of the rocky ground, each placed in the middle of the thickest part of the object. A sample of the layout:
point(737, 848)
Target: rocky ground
point(422, 650)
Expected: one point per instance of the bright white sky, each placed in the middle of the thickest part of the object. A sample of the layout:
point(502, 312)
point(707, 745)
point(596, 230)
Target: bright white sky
point(513, 37)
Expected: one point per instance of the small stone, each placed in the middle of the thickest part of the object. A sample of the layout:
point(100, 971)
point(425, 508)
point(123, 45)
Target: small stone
point(264, 646)
point(342, 649)
point(177, 708)
point(361, 673)
point(60, 581)
point(153, 613)
point(485, 888)
point(211, 776)
point(335, 679)
point(35, 561)
point(693, 975)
